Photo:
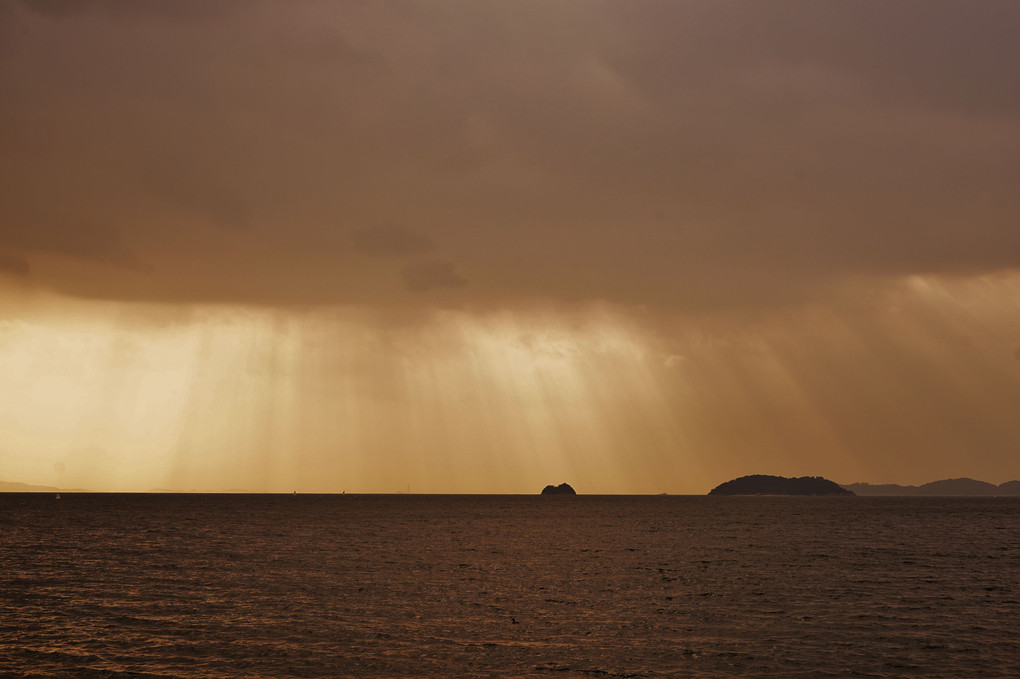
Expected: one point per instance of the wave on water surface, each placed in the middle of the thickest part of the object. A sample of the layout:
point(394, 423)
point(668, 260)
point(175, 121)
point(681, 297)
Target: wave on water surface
point(373, 586)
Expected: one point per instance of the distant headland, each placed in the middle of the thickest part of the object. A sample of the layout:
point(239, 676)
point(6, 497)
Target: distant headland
point(562, 489)
point(964, 487)
point(763, 484)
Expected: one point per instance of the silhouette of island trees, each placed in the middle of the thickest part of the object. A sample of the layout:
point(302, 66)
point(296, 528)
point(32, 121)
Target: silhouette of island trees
point(763, 484)
point(562, 489)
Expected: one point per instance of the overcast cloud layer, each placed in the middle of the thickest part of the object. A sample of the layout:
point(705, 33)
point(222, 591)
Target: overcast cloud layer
point(672, 154)
point(485, 246)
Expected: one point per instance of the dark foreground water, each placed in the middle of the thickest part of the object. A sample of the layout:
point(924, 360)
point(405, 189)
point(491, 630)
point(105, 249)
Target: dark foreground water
point(397, 586)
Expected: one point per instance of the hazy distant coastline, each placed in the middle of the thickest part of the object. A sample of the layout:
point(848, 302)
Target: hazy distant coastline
point(964, 487)
point(15, 487)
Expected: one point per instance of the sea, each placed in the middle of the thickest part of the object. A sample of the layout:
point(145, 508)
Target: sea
point(165, 585)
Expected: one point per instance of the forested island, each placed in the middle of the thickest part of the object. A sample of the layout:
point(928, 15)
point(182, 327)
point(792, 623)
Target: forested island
point(763, 484)
point(562, 489)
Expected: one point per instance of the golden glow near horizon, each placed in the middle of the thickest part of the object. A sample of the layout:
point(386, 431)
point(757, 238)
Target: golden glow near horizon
point(242, 398)
point(108, 396)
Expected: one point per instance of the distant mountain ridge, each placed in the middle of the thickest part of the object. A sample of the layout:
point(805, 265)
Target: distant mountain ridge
point(963, 487)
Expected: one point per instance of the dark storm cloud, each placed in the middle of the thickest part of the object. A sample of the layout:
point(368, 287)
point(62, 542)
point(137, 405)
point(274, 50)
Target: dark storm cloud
point(946, 53)
point(13, 265)
point(669, 154)
point(65, 236)
point(390, 240)
point(179, 10)
point(206, 195)
point(430, 275)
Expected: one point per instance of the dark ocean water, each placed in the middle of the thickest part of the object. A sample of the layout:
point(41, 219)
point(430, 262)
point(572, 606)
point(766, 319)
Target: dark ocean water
point(460, 586)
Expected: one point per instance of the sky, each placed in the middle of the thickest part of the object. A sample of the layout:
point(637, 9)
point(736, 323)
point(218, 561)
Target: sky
point(463, 247)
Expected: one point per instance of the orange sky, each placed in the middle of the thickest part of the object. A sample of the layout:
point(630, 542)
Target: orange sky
point(482, 247)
